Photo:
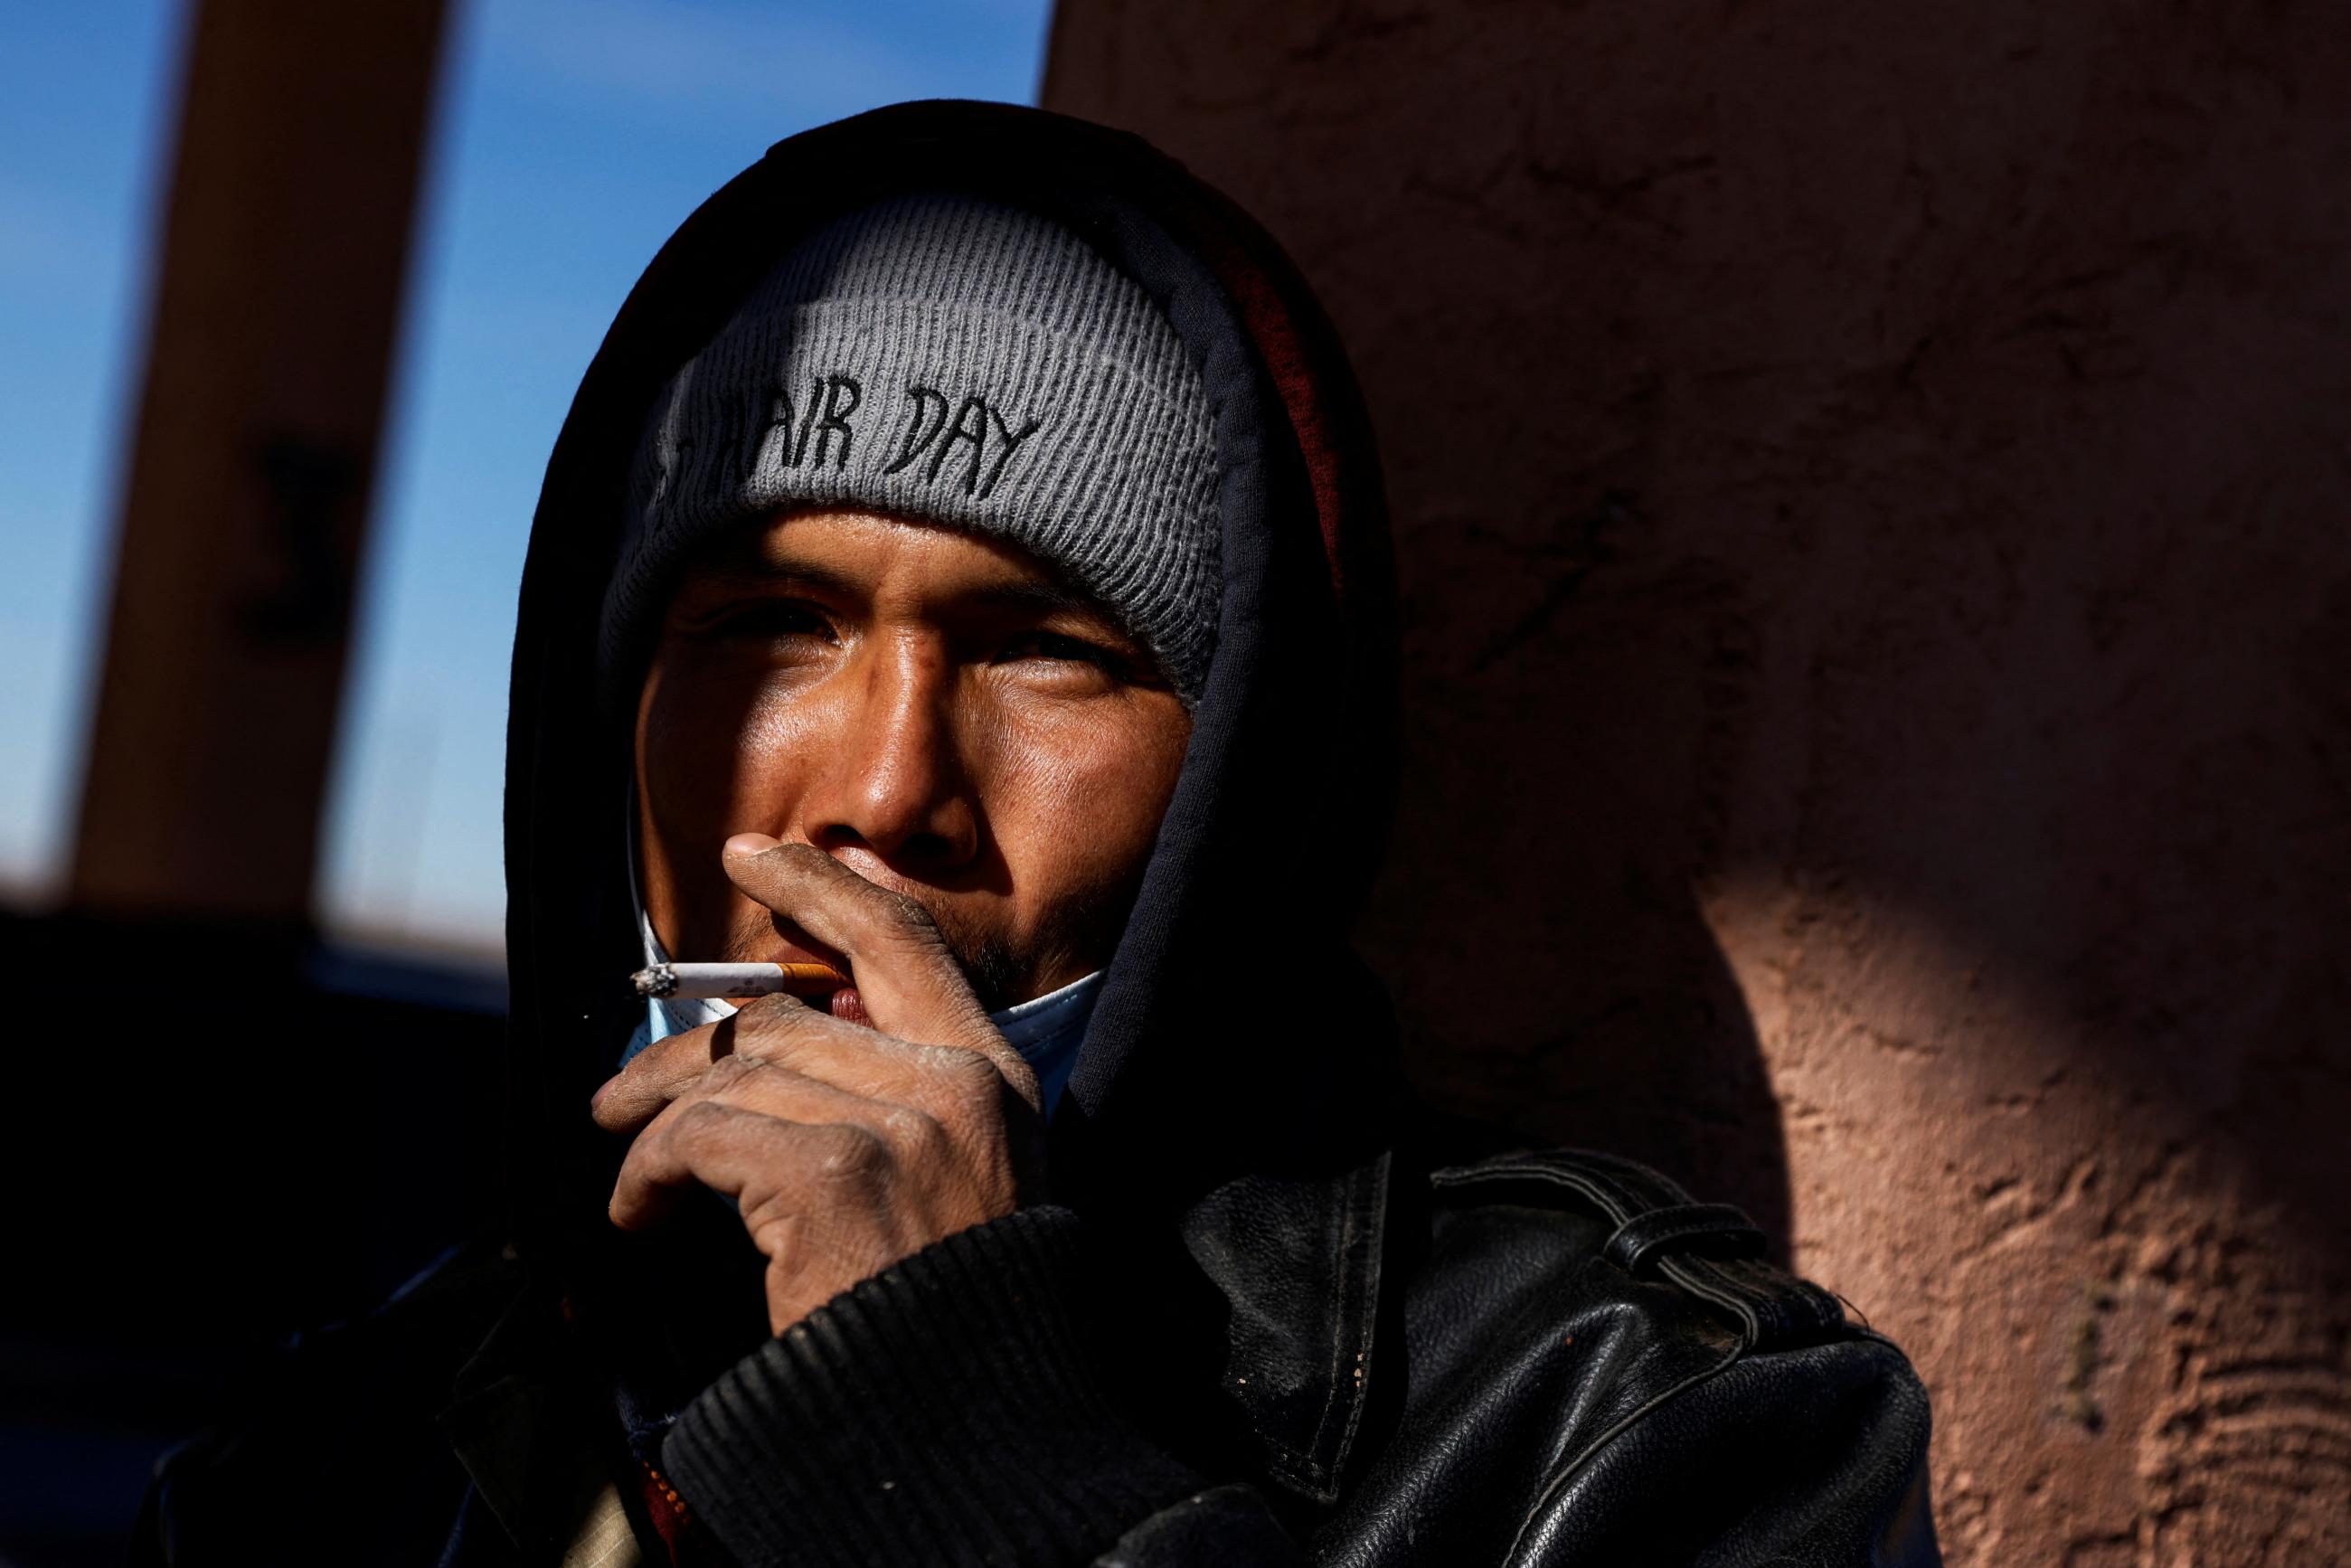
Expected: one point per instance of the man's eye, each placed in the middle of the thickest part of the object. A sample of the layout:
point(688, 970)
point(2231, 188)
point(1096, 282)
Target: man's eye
point(1054, 645)
point(772, 623)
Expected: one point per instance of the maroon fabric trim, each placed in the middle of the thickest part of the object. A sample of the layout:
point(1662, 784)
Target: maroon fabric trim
point(1269, 324)
point(673, 1523)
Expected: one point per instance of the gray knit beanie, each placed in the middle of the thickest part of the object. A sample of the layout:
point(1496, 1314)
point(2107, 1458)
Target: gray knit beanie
point(957, 361)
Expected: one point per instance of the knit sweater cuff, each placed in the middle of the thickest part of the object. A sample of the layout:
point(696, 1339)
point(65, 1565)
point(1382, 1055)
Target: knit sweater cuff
point(945, 1410)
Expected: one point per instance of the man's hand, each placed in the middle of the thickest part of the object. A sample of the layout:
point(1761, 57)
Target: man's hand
point(845, 1148)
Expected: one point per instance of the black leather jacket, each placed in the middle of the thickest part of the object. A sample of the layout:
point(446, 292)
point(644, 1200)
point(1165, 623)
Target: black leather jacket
point(1535, 1358)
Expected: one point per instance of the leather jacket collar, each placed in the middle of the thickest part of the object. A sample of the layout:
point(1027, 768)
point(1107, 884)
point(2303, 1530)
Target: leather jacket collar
point(1298, 1262)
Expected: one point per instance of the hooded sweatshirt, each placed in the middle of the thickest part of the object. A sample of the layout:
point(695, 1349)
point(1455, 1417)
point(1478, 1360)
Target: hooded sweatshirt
point(976, 1374)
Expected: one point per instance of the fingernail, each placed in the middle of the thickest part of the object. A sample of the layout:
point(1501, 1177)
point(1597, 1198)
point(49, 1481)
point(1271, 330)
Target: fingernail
point(749, 844)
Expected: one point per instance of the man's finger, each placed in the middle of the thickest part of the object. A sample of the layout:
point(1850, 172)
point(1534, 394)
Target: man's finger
point(909, 981)
point(950, 1083)
point(660, 1073)
point(961, 1089)
point(750, 1084)
point(743, 1153)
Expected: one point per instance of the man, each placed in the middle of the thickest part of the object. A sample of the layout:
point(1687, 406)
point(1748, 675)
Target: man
point(963, 567)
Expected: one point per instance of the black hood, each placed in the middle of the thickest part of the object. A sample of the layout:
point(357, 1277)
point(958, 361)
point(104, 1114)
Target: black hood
point(1234, 1032)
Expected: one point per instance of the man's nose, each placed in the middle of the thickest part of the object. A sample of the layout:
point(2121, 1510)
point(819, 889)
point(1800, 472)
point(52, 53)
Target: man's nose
point(897, 782)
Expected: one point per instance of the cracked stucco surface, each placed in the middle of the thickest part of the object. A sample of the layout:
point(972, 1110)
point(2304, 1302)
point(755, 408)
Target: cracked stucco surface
point(1871, 500)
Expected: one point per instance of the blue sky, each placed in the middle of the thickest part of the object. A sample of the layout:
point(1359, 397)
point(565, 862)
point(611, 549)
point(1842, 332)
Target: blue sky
point(571, 139)
point(85, 92)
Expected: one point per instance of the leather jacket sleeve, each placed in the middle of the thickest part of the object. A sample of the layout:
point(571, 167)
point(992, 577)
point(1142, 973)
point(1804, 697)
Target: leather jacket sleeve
point(1813, 1456)
point(1775, 1460)
point(1802, 1461)
point(948, 1409)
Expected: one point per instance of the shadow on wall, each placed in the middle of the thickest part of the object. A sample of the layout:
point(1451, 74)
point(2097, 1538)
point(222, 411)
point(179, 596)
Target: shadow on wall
point(1565, 751)
point(1869, 489)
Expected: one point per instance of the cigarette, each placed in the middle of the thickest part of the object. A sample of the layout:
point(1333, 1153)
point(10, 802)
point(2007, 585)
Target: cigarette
point(690, 981)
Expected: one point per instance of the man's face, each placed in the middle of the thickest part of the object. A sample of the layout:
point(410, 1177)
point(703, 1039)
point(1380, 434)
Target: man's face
point(930, 709)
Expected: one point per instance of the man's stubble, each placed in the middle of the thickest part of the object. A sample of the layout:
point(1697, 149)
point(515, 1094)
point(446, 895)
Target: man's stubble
point(1077, 936)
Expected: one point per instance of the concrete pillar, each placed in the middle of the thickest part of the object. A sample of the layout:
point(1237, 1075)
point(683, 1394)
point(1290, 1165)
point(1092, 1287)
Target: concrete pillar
point(1871, 502)
point(277, 304)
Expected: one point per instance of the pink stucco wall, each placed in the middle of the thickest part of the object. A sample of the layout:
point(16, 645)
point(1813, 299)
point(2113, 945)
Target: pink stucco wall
point(1874, 501)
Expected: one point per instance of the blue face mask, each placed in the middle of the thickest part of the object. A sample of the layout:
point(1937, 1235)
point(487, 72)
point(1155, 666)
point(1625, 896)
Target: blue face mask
point(1046, 1030)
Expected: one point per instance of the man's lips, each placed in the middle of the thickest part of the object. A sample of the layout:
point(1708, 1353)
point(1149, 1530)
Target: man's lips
point(842, 1001)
